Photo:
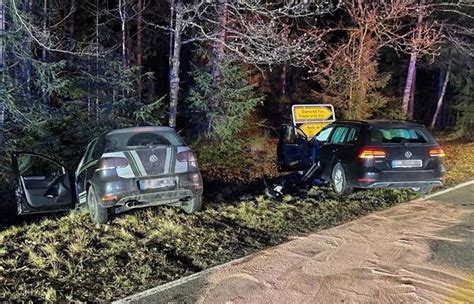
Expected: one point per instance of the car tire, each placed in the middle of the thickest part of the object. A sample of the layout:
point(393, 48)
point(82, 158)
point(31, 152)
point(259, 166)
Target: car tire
point(193, 205)
point(339, 181)
point(97, 213)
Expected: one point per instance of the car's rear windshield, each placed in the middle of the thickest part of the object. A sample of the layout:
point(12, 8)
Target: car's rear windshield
point(399, 135)
point(132, 140)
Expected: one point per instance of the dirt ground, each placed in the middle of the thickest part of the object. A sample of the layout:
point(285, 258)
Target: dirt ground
point(422, 251)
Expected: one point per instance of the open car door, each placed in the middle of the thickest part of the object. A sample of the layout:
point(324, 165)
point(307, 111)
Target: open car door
point(293, 150)
point(42, 184)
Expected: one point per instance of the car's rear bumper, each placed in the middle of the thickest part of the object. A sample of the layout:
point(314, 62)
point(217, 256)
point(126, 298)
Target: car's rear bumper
point(405, 184)
point(400, 179)
point(125, 194)
point(130, 202)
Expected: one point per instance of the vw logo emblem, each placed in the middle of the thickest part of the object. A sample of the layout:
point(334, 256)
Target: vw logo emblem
point(153, 158)
point(408, 154)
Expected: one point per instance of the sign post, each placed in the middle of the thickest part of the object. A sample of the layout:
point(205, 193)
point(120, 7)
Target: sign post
point(311, 118)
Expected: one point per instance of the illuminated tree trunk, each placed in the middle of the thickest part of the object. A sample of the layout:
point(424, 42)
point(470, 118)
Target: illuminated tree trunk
point(439, 104)
point(283, 80)
point(175, 63)
point(70, 32)
point(410, 83)
point(411, 104)
point(217, 56)
point(123, 27)
point(2, 29)
point(139, 44)
point(2, 70)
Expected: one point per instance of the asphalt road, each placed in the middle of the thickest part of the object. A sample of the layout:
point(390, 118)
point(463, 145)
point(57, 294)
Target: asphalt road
point(421, 251)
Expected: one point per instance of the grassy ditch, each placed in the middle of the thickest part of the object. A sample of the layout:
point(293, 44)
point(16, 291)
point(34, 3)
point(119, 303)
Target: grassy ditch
point(69, 259)
point(459, 161)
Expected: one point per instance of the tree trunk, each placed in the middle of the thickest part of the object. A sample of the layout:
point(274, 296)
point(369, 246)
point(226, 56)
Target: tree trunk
point(175, 64)
point(2, 70)
point(45, 26)
point(218, 48)
point(409, 85)
point(26, 70)
point(411, 105)
point(283, 80)
point(127, 34)
point(2, 29)
point(97, 108)
point(70, 33)
point(122, 13)
point(441, 96)
point(139, 44)
point(217, 56)
point(44, 55)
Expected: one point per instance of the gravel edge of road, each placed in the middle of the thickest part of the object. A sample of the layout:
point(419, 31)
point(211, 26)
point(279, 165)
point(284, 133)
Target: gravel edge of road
point(141, 296)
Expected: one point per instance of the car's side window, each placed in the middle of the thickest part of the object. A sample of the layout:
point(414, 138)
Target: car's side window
point(339, 135)
point(323, 136)
point(352, 136)
point(89, 151)
point(97, 149)
point(36, 165)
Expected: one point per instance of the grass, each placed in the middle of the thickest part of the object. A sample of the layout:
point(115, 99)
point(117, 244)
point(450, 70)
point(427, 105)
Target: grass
point(69, 259)
point(459, 161)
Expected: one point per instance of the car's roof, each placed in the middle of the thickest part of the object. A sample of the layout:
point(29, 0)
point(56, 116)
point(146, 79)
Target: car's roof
point(381, 123)
point(141, 129)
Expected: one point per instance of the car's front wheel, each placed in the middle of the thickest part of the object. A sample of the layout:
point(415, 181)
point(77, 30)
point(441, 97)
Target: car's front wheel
point(193, 205)
point(97, 213)
point(339, 181)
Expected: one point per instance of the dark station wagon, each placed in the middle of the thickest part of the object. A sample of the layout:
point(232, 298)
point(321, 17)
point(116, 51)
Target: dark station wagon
point(366, 154)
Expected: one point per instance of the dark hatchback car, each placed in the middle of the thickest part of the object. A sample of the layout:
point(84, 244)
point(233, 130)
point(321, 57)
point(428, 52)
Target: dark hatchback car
point(366, 154)
point(119, 171)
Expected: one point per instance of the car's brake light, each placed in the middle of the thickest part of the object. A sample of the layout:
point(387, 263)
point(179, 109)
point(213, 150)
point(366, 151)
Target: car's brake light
point(187, 156)
point(112, 163)
point(437, 152)
point(372, 153)
point(193, 180)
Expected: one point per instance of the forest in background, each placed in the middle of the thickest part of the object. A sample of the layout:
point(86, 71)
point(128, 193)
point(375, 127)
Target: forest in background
point(225, 73)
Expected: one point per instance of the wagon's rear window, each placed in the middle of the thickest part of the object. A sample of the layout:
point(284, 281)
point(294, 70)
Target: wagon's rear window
point(139, 140)
point(399, 135)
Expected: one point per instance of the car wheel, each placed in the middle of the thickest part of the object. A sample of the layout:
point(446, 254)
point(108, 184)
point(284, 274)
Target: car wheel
point(97, 213)
point(193, 205)
point(423, 190)
point(339, 181)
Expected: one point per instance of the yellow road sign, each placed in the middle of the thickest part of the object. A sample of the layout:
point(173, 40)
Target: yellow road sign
point(312, 113)
point(312, 128)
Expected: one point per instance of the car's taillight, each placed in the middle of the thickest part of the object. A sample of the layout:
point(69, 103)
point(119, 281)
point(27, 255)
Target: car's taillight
point(187, 156)
point(112, 163)
point(437, 152)
point(372, 153)
point(192, 180)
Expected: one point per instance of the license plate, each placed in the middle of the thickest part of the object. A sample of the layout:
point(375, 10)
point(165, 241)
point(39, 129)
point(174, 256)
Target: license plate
point(157, 183)
point(407, 163)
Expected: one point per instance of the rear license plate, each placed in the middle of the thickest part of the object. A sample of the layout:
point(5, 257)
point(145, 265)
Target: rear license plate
point(157, 183)
point(407, 163)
